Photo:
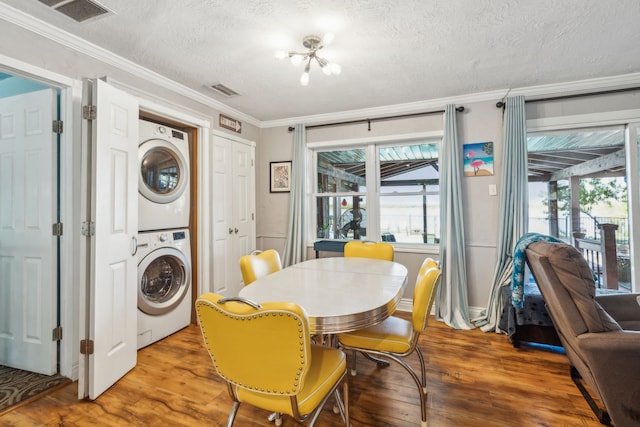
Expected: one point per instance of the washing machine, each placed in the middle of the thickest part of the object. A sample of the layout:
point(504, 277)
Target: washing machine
point(164, 284)
point(163, 177)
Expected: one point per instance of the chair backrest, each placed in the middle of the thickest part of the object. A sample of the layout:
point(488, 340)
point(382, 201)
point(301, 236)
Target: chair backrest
point(360, 249)
point(564, 276)
point(265, 349)
point(566, 284)
point(424, 293)
point(260, 264)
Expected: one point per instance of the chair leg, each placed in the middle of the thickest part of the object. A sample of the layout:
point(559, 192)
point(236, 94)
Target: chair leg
point(601, 414)
point(354, 354)
point(380, 362)
point(232, 415)
point(313, 417)
point(342, 404)
point(423, 370)
point(419, 384)
point(276, 418)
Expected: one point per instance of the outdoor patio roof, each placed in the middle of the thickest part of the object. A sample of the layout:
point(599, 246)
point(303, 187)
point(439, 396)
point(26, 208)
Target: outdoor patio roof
point(552, 156)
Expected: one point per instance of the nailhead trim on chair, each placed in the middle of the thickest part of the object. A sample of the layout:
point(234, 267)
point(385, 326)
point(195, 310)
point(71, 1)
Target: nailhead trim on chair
point(254, 316)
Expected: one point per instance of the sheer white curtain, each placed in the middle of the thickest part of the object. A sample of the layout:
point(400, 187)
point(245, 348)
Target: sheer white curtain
point(451, 303)
point(295, 249)
point(514, 205)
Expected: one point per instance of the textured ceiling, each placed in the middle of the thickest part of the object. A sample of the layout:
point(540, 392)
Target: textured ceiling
point(391, 51)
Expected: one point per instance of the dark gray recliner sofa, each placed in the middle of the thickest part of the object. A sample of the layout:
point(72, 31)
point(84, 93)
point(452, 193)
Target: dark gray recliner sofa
point(601, 336)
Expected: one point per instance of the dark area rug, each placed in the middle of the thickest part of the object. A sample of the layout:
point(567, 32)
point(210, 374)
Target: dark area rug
point(18, 386)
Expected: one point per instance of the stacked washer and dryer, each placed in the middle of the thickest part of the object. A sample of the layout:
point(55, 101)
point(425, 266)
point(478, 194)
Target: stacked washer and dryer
point(164, 249)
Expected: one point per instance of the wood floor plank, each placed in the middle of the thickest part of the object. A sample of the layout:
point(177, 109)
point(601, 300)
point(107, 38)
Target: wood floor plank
point(474, 379)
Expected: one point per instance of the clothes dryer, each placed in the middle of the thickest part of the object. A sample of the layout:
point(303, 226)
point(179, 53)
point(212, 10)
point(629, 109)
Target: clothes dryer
point(163, 177)
point(164, 284)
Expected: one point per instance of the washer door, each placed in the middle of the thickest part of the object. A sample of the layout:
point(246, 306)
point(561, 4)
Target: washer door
point(163, 171)
point(163, 280)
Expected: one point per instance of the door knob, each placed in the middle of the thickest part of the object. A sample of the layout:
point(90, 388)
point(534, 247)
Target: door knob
point(236, 230)
point(230, 230)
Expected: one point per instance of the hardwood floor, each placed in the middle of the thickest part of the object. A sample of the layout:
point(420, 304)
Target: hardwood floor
point(474, 379)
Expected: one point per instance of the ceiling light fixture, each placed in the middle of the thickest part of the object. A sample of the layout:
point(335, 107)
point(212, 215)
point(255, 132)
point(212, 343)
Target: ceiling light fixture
point(313, 44)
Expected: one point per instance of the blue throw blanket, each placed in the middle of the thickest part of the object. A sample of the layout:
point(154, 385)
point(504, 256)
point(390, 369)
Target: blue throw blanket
point(519, 258)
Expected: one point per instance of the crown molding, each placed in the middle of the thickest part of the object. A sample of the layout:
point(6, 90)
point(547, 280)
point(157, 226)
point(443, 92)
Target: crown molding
point(85, 47)
point(389, 110)
point(622, 81)
point(529, 92)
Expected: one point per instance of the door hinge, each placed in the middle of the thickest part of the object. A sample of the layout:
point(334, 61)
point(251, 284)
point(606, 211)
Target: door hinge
point(252, 214)
point(88, 228)
point(86, 347)
point(56, 333)
point(89, 112)
point(57, 229)
point(57, 126)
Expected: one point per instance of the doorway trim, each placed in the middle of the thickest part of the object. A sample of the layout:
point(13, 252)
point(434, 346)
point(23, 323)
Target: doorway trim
point(69, 91)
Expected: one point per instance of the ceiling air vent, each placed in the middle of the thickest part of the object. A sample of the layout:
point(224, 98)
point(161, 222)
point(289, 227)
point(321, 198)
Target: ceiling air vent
point(223, 90)
point(78, 10)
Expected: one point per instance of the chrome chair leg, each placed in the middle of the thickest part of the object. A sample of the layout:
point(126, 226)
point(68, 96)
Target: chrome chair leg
point(275, 418)
point(232, 414)
point(380, 362)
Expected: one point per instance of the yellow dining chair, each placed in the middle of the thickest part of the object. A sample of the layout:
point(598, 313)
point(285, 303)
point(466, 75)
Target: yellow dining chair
point(259, 264)
point(395, 338)
point(360, 249)
point(264, 354)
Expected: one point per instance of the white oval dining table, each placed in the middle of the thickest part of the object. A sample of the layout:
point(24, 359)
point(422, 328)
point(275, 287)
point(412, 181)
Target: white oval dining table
point(339, 294)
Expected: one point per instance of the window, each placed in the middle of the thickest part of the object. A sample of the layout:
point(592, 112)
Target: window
point(577, 189)
point(378, 191)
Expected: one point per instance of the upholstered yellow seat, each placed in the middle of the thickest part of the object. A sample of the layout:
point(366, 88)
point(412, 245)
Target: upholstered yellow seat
point(259, 264)
point(265, 355)
point(378, 250)
point(395, 338)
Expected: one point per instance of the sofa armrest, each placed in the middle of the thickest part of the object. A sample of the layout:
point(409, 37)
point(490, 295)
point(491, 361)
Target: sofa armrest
point(624, 308)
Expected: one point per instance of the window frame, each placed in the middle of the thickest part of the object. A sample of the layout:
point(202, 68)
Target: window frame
point(372, 194)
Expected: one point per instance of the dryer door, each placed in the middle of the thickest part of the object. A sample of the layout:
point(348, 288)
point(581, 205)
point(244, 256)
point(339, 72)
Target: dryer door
point(163, 280)
point(163, 171)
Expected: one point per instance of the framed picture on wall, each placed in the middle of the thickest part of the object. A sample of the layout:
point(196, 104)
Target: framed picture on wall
point(280, 177)
point(478, 159)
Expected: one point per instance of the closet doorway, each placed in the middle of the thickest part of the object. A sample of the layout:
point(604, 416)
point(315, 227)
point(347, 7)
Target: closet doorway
point(29, 238)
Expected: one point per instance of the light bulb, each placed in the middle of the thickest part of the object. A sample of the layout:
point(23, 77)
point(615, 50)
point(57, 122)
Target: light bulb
point(335, 68)
point(328, 38)
point(280, 54)
point(304, 79)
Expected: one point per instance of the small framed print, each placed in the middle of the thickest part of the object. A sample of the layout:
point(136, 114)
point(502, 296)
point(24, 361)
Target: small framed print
point(280, 177)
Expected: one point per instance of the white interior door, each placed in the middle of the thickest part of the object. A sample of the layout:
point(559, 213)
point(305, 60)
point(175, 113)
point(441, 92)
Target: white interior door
point(112, 312)
point(226, 270)
point(233, 207)
point(243, 198)
point(28, 303)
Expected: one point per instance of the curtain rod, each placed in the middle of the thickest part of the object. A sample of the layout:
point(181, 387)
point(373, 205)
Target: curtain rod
point(501, 104)
point(377, 119)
